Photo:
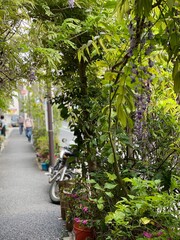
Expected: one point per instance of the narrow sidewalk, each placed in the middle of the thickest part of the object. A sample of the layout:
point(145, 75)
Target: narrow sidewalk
point(26, 212)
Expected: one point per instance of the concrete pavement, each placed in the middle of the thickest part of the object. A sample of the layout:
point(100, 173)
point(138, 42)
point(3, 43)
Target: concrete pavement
point(26, 212)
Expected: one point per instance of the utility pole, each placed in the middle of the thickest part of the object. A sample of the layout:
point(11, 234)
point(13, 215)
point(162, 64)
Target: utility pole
point(50, 128)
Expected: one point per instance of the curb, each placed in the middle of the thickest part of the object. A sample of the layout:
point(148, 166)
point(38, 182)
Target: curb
point(71, 236)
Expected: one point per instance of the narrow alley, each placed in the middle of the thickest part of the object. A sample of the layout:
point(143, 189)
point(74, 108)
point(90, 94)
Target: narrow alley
point(26, 212)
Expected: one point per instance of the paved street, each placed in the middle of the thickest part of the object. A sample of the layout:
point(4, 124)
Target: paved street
point(26, 212)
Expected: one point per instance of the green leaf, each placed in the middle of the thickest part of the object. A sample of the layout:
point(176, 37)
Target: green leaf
point(47, 10)
point(131, 196)
point(100, 203)
point(91, 181)
point(122, 8)
point(111, 177)
point(109, 217)
point(110, 76)
point(109, 194)
point(177, 83)
point(120, 96)
point(110, 185)
point(87, 49)
point(143, 7)
point(96, 47)
point(103, 137)
point(101, 63)
point(70, 43)
point(100, 206)
point(147, 6)
point(145, 220)
point(170, 3)
point(119, 216)
point(127, 179)
point(174, 40)
point(100, 200)
point(102, 44)
point(110, 4)
point(111, 158)
point(122, 116)
point(176, 76)
point(79, 55)
point(97, 186)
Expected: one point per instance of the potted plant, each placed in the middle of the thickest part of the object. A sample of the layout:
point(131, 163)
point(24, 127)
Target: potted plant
point(45, 165)
point(83, 213)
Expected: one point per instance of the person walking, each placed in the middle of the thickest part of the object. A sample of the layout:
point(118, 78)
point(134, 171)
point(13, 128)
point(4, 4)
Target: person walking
point(28, 124)
point(21, 124)
point(3, 126)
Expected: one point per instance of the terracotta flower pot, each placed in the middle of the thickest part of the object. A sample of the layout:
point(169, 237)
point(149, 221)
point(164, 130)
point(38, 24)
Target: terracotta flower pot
point(82, 232)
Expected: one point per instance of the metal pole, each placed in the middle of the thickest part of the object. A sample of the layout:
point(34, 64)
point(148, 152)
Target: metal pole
point(50, 129)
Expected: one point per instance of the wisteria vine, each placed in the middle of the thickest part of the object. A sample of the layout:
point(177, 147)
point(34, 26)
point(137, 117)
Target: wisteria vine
point(71, 3)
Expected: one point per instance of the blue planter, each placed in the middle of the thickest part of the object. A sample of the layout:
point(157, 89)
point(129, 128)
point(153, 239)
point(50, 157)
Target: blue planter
point(45, 166)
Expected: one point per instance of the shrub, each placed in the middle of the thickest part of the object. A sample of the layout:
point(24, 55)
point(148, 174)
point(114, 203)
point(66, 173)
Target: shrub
point(37, 133)
point(42, 146)
point(147, 213)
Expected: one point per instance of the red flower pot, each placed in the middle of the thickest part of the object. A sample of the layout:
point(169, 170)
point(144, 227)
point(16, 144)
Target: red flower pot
point(82, 232)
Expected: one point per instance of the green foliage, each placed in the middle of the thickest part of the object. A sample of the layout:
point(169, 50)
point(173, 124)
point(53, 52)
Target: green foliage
point(41, 143)
point(162, 133)
point(12, 15)
point(49, 56)
point(176, 76)
point(4, 101)
point(35, 106)
point(38, 133)
point(83, 206)
point(42, 146)
point(147, 210)
point(105, 55)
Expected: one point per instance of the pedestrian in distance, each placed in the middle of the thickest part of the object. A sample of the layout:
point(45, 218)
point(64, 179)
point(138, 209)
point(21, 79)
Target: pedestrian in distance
point(21, 124)
point(3, 126)
point(28, 125)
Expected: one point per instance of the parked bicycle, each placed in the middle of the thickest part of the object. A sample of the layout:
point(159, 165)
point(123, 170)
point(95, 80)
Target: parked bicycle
point(60, 172)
